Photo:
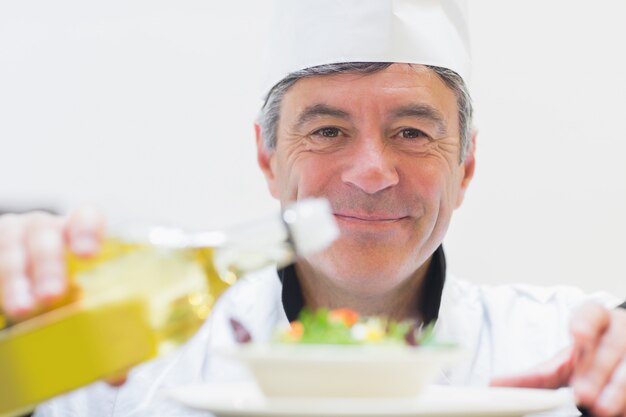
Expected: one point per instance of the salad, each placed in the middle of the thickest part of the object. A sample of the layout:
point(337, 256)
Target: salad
point(339, 353)
point(347, 327)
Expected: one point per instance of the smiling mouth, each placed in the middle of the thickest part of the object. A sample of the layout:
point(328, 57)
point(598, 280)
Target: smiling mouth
point(369, 219)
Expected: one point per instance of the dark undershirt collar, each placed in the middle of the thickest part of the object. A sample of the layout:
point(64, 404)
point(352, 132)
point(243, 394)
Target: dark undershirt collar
point(293, 300)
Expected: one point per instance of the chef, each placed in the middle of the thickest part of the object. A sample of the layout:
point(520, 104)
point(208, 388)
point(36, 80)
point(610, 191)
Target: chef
point(366, 104)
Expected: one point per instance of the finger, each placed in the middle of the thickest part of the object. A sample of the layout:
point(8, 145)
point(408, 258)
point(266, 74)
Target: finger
point(589, 382)
point(118, 379)
point(612, 400)
point(587, 326)
point(588, 323)
point(16, 296)
point(46, 249)
point(554, 373)
point(85, 230)
point(534, 380)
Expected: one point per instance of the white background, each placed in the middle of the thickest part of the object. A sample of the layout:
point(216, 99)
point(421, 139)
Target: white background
point(145, 108)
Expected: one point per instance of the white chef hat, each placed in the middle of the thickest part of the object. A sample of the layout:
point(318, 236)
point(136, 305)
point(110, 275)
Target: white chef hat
point(307, 33)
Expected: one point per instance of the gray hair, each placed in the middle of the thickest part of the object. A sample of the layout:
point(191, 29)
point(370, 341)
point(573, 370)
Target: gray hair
point(270, 112)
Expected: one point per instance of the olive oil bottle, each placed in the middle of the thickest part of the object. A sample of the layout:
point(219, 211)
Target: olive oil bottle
point(143, 295)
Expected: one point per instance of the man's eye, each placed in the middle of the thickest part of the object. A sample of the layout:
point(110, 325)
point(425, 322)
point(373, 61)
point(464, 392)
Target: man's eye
point(412, 134)
point(328, 132)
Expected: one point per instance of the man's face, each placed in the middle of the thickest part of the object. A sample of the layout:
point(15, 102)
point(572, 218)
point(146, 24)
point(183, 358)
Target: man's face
point(383, 148)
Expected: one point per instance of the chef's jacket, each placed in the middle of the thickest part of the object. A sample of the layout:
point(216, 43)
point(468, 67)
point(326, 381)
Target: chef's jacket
point(502, 329)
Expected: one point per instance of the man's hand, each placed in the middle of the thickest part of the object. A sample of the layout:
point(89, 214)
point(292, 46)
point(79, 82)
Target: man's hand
point(595, 365)
point(32, 256)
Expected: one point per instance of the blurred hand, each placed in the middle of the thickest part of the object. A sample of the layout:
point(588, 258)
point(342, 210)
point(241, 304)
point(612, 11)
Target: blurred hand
point(594, 366)
point(32, 256)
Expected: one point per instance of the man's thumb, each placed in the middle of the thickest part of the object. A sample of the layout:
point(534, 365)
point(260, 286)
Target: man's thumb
point(554, 373)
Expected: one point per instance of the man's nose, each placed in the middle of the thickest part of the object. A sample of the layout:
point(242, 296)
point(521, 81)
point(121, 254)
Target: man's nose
point(372, 167)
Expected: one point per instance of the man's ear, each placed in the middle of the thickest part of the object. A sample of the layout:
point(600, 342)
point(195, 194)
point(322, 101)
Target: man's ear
point(265, 160)
point(469, 165)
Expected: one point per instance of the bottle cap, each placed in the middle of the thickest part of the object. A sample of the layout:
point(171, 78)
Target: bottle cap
point(311, 224)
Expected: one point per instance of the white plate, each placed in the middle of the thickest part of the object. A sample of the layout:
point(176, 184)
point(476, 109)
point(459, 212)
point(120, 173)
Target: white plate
point(245, 400)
